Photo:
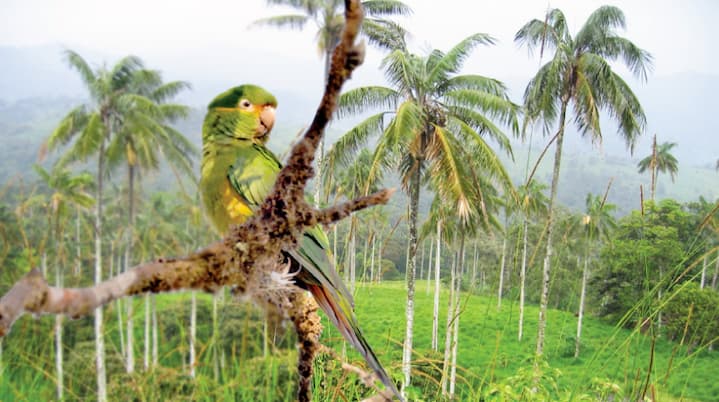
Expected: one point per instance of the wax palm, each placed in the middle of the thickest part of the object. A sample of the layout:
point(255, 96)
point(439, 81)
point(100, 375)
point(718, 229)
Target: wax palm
point(532, 203)
point(660, 160)
point(92, 126)
point(436, 121)
point(579, 74)
point(67, 191)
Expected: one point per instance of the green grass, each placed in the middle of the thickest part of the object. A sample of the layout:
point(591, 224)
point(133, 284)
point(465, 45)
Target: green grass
point(489, 353)
point(489, 350)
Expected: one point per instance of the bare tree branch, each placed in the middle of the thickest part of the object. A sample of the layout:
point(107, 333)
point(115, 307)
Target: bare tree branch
point(248, 259)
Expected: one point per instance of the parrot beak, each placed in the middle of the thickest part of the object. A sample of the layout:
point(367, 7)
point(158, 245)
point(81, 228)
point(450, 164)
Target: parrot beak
point(267, 120)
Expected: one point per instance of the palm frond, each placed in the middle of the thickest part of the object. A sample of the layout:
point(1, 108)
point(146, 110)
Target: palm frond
point(358, 100)
point(346, 147)
point(481, 124)
point(453, 60)
point(75, 61)
point(385, 8)
point(70, 125)
point(445, 165)
point(292, 21)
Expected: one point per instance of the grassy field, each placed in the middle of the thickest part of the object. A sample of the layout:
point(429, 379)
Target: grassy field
point(490, 356)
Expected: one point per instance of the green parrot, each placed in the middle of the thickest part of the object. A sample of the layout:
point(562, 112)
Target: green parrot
point(238, 172)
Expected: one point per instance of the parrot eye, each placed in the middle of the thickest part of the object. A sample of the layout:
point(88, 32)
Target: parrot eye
point(245, 104)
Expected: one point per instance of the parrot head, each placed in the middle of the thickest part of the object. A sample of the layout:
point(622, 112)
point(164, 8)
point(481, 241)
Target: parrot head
point(245, 112)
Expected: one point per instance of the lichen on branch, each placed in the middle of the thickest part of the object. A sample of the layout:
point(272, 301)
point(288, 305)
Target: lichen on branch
point(249, 256)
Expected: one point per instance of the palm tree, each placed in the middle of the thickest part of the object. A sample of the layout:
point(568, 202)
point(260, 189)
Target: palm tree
point(68, 190)
point(93, 125)
point(145, 135)
point(433, 121)
point(328, 16)
point(597, 222)
point(579, 74)
point(660, 160)
point(532, 202)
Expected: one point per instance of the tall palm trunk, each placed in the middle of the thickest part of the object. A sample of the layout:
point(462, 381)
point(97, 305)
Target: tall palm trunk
point(155, 340)
point(78, 251)
point(193, 333)
point(449, 327)
point(473, 280)
point(58, 337)
point(582, 296)
point(146, 354)
point(99, 337)
point(544, 298)
point(130, 358)
point(502, 266)
point(435, 311)
point(414, 207)
point(704, 273)
point(716, 272)
point(522, 278)
point(352, 253)
point(371, 263)
point(429, 265)
point(455, 333)
point(653, 166)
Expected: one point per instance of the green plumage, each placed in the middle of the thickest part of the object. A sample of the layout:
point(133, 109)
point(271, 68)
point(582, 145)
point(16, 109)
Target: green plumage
point(238, 172)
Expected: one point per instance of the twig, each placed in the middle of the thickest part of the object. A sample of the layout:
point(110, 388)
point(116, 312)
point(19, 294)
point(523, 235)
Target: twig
point(248, 259)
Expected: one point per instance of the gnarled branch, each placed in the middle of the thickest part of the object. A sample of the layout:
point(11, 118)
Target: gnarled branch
point(247, 259)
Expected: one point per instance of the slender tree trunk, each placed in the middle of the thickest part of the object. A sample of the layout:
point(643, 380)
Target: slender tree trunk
point(78, 251)
point(653, 166)
point(704, 273)
point(371, 264)
point(449, 327)
point(502, 266)
point(582, 296)
point(421, 262)
point(99, 337)
point(353, 253)
point(58, 339)
point(659, 297)
point(716, 272)
point(429, 265)
point(146, 354)
point(523, 278)
point(473, 280)
point(155, 345)
point(193, 333)
point(119, 307)
point(544, 298)
point(455, 335)
point(407, 349)
point(215, 338)
point(130, 361)
point(435, 313)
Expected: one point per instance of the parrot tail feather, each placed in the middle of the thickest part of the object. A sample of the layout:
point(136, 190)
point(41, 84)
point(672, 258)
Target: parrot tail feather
point(343, 318)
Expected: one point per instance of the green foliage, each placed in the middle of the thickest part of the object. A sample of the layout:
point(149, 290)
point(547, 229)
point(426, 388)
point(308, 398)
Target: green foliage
point(646, 254)
point(691, 315)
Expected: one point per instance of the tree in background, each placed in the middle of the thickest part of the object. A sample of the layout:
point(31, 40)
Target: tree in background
point(328, 16)
point(597, 223)
point(579, 74)
point(145, 136)
point(436, 119)
point(68, 193)
point(660, 160)
point(92, 126)
point(532, 203)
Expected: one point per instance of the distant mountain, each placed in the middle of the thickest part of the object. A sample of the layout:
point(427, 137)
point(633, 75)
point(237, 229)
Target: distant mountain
point(37, 89)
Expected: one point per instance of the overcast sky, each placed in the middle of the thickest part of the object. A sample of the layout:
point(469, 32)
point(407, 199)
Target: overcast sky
point(176, 34)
